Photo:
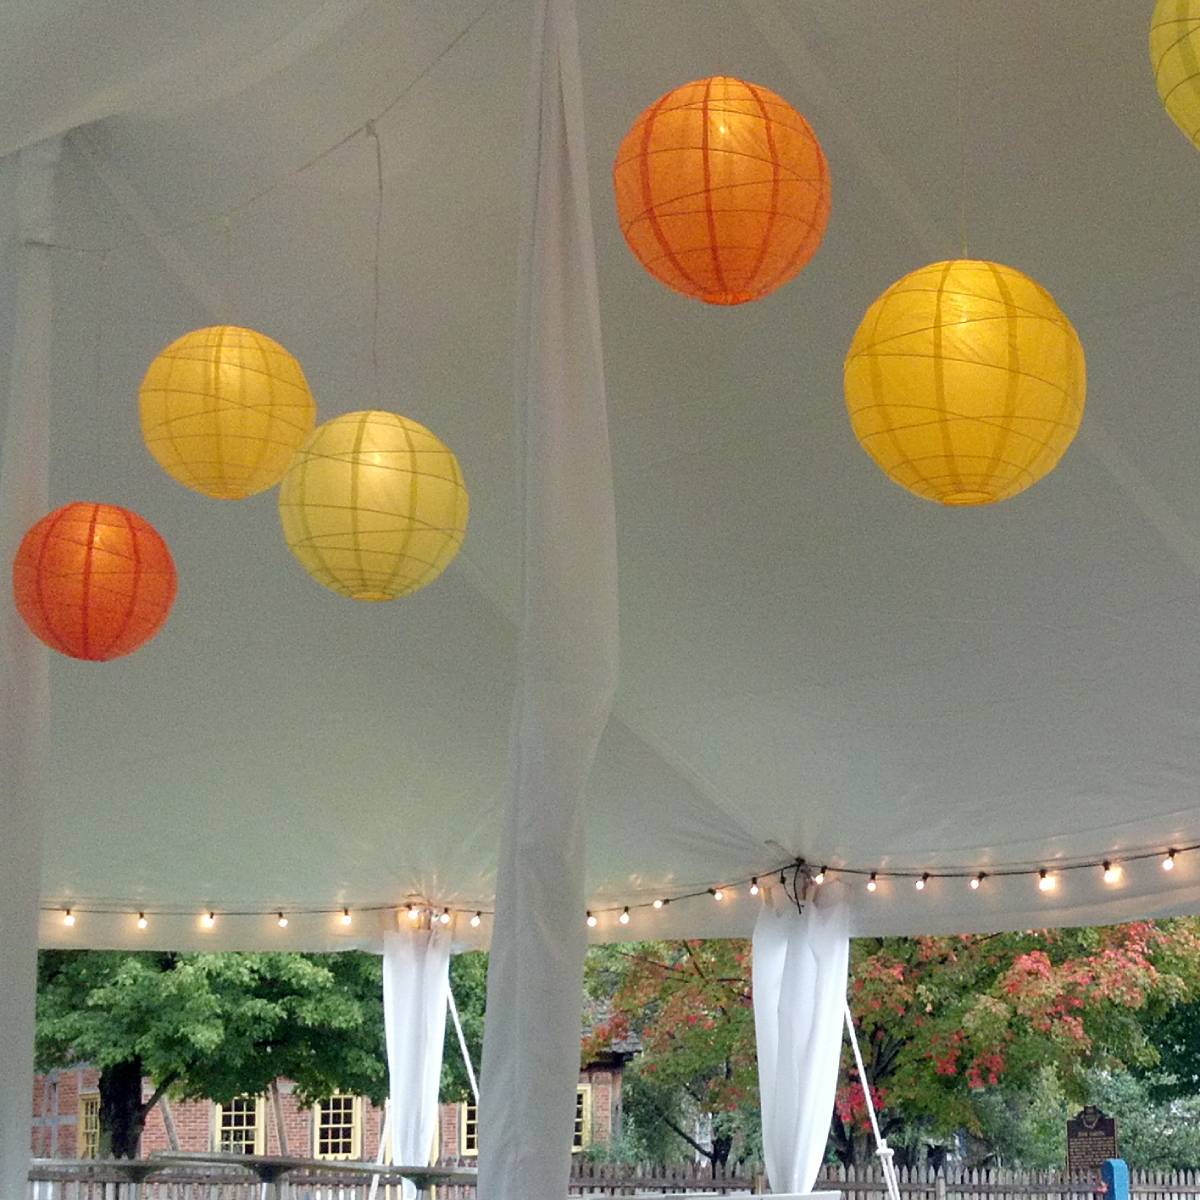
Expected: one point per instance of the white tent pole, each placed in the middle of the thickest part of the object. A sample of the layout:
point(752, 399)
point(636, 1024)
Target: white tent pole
point(462, 1043)
point(885, 1152)
point(24, 661)
point(385, 1132)
point(567, 662)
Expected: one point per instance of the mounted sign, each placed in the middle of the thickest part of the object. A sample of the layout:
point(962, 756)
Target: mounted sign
point(1091, 1140)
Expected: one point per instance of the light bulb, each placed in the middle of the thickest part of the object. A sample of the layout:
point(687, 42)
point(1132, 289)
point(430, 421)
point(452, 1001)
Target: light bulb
point(1168, 862)
point(624, 917)
point(208, 920)
point(920, 884)
point(141, 921)
point(445, 916)
point(871, 884)
point(476, 920)
point(976, 880)
point(1046, 881)
point(68, 918)
point(1112, 873)
point(754, 887)
point(413, 913)
point(282, 922)
point(592, 921)
point(717, 894)
point(819, 877)
point(347, 919)
point(659, 903)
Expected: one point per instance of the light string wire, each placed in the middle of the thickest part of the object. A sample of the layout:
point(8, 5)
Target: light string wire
point(373, 134)
point(217, 216)
point(962, 130)
point(796, 876)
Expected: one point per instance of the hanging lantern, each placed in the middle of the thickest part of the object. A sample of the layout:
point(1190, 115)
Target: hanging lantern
point(93, 581)
point(374, 506)
point(965, 382)
point(1175, 56)
point(722, 190)
point(224, 411)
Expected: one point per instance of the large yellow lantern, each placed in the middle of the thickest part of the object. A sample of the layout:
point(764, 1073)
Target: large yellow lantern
point(722, 190)
point(965, 382)
point(1175, 56)
point(373, 506)
point(224, 410)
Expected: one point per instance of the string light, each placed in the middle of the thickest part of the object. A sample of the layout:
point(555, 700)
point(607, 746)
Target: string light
point(1047, 881)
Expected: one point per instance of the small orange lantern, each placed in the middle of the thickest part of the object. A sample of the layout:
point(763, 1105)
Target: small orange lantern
point(722, 190)
point(93, 581)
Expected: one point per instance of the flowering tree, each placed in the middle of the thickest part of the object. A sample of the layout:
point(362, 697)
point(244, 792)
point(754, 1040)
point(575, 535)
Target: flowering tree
point(941, 1020)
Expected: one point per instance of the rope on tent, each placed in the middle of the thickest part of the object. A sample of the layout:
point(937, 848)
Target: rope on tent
point(882, 1149)
point(384, 1133)
point(462, 1044)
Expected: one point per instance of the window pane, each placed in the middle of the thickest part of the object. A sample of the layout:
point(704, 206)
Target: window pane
point(88, 1136)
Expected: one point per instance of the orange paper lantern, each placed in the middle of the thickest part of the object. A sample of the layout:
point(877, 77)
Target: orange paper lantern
point(94, 581)
point(722, 190)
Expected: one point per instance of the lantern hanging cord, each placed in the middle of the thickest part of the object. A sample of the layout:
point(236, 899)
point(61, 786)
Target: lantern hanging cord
point(962, 130)
point(373, 134)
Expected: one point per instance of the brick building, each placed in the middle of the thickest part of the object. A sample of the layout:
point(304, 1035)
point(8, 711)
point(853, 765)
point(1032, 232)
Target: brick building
point(66, 1112)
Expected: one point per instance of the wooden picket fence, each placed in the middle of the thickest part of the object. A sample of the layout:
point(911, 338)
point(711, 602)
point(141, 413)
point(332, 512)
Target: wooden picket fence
point(99, 1181)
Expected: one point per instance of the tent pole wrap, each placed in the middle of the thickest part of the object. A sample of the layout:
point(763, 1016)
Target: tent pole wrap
point(801, 962)
point(568, 655)
point(24, 671)
point(416, 978)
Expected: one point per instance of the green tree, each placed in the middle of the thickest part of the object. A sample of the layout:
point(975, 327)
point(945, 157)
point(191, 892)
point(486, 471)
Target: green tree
point(210, 1026)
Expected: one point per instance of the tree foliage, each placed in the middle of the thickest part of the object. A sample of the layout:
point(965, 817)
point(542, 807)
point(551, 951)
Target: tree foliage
point(210, 1025)
point(947, 1024)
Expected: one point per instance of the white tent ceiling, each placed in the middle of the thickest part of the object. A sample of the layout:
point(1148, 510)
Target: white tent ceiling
point(813, 662)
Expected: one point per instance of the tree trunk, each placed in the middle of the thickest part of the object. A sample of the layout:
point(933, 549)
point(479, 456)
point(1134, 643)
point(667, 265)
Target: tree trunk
point(122, 1114)
point(722, 1143)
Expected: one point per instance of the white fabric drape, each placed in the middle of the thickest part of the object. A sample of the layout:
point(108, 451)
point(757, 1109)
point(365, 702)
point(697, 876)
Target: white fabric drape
point(416, 981)
point(567, 665)
point(24, 661)
point(801, 963)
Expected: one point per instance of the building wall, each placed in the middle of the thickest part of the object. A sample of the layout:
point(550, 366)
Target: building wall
point(56, 1099)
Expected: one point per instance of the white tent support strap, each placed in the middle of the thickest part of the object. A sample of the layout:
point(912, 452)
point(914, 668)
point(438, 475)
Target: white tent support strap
point(801, 960)
point(24, 671)
point(568, 649)
point(885, 1152)
point(416, 978)
point(462, 1044)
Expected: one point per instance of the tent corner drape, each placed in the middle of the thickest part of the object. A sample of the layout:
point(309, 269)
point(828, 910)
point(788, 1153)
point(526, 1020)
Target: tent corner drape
point(416, 982)
point(801, 964)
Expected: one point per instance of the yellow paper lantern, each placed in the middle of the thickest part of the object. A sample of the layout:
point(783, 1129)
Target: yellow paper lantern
point(373, 506)
point(965, 382)
point(722, 190)
point(1175, 56)
point(224, 411)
